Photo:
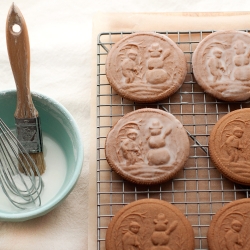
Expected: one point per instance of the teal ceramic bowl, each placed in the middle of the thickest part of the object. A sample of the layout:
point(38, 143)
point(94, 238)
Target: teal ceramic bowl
point(60, 126)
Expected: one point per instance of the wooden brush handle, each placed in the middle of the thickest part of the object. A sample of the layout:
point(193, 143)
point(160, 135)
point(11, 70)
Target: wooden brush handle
point(19, 56)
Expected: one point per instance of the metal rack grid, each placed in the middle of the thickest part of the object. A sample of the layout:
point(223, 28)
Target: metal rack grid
point(198, 190)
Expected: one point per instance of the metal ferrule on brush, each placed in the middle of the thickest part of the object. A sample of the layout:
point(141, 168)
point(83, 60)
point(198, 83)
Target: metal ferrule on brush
point(29, 134)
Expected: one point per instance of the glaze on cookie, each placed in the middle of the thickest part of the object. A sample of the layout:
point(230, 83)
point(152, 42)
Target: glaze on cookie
point(221, 65)
point(147, 146)
point(146, 67)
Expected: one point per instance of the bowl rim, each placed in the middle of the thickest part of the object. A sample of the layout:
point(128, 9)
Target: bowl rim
point(50, 205)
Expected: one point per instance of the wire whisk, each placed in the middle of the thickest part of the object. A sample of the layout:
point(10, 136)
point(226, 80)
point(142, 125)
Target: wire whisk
point(20, 179)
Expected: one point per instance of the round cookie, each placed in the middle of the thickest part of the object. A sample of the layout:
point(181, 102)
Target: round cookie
point(230, 226)
point(147, 146)
point(146, 67)
point(221, 65)
point(149, 224)
point(229, 146)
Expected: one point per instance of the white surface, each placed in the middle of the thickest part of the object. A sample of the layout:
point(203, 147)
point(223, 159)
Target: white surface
point(60, 39)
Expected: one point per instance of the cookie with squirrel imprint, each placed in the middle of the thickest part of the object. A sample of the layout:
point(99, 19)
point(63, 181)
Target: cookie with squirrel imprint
point(230, 226)
point(147, 146)
point(146, 67)
point(221, 65)
point(229, 146)
point(150, 224)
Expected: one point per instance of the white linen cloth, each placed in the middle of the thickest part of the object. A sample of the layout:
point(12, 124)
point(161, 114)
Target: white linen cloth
point(60, 35)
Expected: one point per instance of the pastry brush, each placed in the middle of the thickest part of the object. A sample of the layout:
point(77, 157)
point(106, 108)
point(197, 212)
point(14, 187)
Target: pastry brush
point(28, 127)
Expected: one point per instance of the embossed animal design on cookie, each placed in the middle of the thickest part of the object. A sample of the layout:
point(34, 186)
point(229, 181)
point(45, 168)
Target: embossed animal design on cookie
point(161, 236)
point(156, 72)
point(158, 153)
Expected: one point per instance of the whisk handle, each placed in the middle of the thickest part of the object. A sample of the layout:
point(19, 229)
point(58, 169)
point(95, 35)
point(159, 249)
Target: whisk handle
point(19, 55)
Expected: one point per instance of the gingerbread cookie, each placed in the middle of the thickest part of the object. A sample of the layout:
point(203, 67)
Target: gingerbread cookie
point(146, 67)
point(230, 227)
point(229, 146)
point(221, 65)
point(147, 146)
point(149, 224)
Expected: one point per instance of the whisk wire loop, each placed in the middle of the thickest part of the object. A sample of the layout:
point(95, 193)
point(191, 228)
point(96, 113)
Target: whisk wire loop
point(20, 178)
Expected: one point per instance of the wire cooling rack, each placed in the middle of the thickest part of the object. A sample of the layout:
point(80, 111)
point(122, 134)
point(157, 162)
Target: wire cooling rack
point(198, 190)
